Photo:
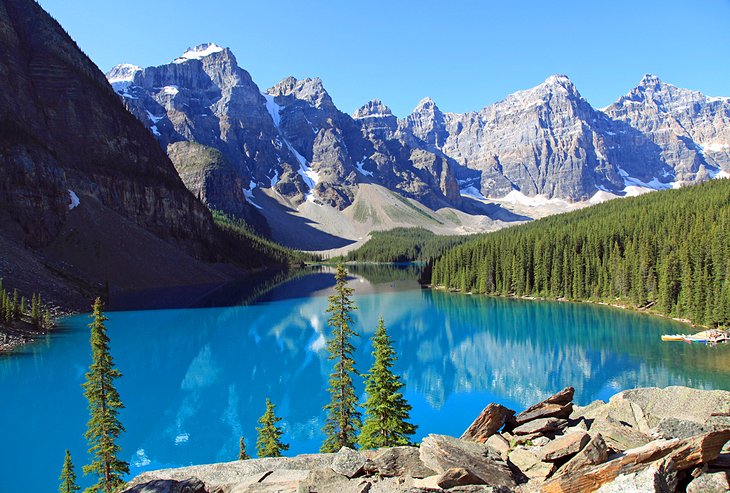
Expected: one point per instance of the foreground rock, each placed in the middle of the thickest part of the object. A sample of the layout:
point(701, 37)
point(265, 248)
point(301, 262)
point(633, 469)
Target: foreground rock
point(489, 421)
point(441, 453)
point(603, 447)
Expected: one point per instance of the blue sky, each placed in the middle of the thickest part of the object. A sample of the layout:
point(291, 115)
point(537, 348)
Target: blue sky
point(463, 54)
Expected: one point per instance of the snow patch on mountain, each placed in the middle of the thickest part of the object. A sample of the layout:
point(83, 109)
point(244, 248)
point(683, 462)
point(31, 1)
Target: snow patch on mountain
point(310, 177)
point(362, 170)
point(472, 192)
point(248, 193)
point(74, 200)
point(518, 198)
point(199, 52)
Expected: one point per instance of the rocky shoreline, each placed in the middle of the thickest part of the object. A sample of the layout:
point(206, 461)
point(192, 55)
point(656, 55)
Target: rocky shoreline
point(643, 440)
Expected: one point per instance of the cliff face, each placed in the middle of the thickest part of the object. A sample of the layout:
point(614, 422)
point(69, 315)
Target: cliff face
point(84, 184)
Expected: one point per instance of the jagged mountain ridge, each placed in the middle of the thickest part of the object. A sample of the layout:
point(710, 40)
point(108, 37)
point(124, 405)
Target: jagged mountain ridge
point(547, 141)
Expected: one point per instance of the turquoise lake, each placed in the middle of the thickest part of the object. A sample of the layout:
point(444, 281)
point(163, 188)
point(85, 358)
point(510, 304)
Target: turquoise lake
point(195, 380)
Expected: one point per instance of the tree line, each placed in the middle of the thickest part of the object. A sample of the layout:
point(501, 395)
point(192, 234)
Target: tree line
point(15, 308)
point(387, 412)
point(404, 245)
point(667, 251)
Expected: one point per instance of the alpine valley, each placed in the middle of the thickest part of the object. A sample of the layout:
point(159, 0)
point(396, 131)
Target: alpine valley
point(289, 162)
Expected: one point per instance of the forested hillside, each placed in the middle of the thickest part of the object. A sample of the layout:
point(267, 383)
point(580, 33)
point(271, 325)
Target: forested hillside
point(667, 251)
point(404, 245)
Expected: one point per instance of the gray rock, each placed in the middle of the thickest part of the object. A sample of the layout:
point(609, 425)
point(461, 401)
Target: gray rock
point(595, 452)
point(618, 436)
point(564, 446)
point(644, 408)
point(440, 453)
point(348, 462)
point(715, 482)
point(396, 461)
point(248, 472)
point(191, 485)
point(541, 425)
point(530, 464)
point(457, 476)
point(499, 443)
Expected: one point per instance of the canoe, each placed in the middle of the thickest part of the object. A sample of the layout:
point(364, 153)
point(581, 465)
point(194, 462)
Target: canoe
point(673, 337)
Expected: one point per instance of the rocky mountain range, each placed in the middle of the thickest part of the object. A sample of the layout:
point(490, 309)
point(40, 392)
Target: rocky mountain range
point(90, 202)
point(251, 152)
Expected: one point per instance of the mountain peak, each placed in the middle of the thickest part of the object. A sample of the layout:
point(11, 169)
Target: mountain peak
point(199, 52)
point(426, 104)
point(371, 109)
point(124, 72)
point(558, 80)
point(650, 80)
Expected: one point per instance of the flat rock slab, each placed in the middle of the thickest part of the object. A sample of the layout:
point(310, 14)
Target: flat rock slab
point(228, 473)
point(489, 422)
point(396, 461)
point(542, 425)
point(457, 476)
point(561, 411)
point(440, 453)
point(565, 446)
point(192, 485)
point(618, 436)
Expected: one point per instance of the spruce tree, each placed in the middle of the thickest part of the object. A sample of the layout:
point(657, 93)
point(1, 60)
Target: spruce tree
point(68, 476)
point(386, 410)
point(343, 419)
point(268, 441)
point(242, 454)
point(104, 426)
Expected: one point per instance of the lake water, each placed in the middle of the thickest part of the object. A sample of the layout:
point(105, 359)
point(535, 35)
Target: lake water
point(196, 379)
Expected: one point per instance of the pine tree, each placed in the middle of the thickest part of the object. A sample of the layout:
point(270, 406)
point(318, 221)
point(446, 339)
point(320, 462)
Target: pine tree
point(242, 454)
point(104, 426)
point(343, 419)
point(386, 410)
point(68, 476)
point(268, 441)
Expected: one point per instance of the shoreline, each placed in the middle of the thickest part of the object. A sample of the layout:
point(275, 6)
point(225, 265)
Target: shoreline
point(643, 311)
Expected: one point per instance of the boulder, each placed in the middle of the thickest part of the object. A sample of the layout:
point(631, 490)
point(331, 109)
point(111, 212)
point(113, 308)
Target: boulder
point(657, 478)
point(499, 443)
point(541, 425)
point(530, 464)
point(489, 421)
point(595, 452)
point(559, 405)
point(348, 462)
point(192, 485)
point(440, 453)
point(643, 409)
point(618, 436)
point(396, 461)
point(565, 446)
point(715, 482)
point(457, 476)
point(683, 454)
